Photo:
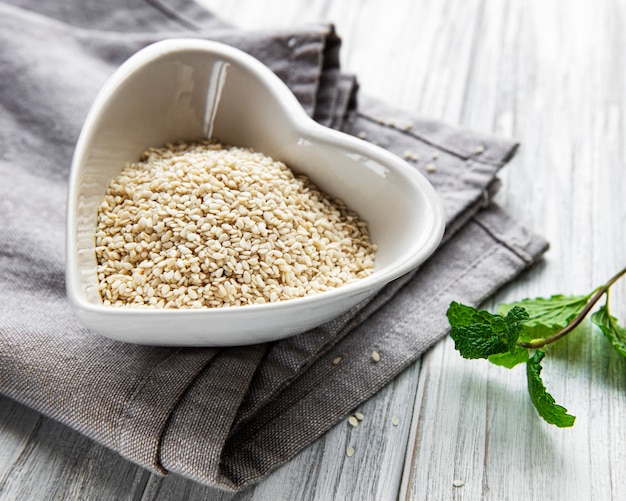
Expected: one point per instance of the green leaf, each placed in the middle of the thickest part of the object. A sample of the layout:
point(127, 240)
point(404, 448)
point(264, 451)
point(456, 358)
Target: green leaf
point(545, 404)
point(611, 329)
point(479, 334)
point(517, 355)
point(547, 315)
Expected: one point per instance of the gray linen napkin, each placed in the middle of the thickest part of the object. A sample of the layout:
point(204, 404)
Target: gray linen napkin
point(222, 417)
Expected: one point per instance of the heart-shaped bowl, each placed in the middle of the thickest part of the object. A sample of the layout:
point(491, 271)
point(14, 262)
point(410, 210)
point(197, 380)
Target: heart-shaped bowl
point(184, 89)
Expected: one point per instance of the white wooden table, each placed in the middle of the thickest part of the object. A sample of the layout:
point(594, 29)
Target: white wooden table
point(547, 72)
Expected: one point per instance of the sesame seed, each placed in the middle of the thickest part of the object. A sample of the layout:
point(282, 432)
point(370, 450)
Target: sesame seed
point(458, 483)
point(353, 421)
point(411, 155)
point(350, 451)
point(336, 360)
point(359, 416)
point(375, 356)
point(431, 167)
point(362, 135)
point(435, 155)
point(479, 149)
point(207, 225)
point(395, 421)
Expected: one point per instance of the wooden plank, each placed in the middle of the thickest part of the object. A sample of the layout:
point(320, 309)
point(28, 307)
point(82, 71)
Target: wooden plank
point(51, 461)
point(16, 424)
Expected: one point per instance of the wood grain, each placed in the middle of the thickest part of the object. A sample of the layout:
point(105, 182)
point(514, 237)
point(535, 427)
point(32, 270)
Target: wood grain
point(549, 73)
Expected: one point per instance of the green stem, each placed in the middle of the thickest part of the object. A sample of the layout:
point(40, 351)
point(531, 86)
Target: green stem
point(600, 291)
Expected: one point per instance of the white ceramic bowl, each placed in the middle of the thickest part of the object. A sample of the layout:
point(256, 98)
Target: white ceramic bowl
point(187, 89)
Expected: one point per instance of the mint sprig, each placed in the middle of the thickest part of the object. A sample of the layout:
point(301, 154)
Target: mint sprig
point(507, 338)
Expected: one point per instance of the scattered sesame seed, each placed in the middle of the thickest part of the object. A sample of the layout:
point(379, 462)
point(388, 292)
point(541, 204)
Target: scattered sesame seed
point(408, 126)
point(395, 421)
point(435, 155)
point(458, 483)
point(362, 135)
point(375, 356)
point(353, 421)
point(350, 451)
point(479, 149)
point(381, 121)
point(411, 155)
point(359, 416)
point(336, 360)
point(431, 167)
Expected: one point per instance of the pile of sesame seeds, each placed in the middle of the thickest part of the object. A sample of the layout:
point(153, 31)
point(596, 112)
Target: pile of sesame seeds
point(206, 225)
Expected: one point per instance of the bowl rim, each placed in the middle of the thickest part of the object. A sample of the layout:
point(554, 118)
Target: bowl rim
point(302, 123)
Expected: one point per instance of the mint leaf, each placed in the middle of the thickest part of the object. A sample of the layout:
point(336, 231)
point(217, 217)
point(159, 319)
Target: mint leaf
point(517, 355)
point(545, 404)
point(479, 334)
point(609, 326)
point(547, 315)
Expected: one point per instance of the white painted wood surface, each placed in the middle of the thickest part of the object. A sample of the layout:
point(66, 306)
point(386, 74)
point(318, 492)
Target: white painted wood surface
point(547, 72)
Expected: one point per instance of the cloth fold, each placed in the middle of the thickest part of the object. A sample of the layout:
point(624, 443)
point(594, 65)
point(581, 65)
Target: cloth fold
point(223, 417)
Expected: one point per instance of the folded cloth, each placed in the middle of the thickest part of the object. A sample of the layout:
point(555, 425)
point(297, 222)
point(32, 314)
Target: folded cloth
point(224, 417)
